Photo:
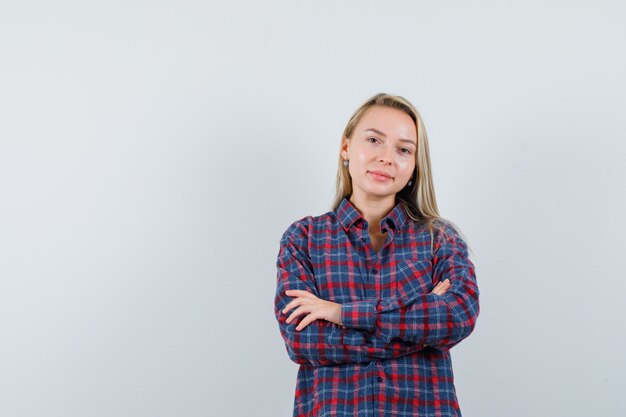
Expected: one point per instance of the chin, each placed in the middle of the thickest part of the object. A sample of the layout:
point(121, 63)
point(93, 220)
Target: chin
point(378, 193)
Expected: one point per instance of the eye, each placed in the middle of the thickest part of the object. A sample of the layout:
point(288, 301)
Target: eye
point(372, 139)
point(406, 151)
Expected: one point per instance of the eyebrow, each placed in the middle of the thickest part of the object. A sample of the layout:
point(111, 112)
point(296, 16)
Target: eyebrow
point(382, 134)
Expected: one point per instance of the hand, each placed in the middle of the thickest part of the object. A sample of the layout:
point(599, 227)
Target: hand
point(314, 307)
point(441, 287)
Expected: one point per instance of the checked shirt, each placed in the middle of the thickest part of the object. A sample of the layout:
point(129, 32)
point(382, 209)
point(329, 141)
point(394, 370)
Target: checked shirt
point(391, 355)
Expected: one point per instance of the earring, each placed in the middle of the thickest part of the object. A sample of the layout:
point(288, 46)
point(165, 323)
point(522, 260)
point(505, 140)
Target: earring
point(345, 163)
point(410, 183)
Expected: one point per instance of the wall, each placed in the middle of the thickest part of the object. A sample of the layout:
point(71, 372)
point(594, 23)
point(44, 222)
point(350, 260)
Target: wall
point(152, 154)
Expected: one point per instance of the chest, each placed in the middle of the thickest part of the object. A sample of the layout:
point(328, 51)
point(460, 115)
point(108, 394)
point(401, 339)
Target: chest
point(357, 268)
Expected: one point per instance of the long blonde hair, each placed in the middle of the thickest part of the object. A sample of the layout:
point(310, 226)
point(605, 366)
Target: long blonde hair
point(419, 198)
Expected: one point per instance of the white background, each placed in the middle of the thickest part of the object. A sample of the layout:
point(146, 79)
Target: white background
point(152, 153)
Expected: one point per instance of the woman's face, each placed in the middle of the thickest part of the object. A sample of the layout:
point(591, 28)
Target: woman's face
point(381, 152)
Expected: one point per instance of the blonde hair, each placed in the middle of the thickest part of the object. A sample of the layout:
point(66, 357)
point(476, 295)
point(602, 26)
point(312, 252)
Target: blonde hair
point(419, 198)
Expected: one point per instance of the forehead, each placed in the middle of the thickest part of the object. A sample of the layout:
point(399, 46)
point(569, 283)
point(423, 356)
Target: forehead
point(394, 123)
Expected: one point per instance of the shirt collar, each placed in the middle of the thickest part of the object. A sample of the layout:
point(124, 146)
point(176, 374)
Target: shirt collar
point(348, 216)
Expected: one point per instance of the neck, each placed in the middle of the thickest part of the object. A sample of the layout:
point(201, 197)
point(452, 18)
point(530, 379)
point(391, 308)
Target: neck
point(373, 209)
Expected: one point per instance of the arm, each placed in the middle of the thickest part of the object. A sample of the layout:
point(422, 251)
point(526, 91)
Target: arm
point(321, 342)
point(440, 321)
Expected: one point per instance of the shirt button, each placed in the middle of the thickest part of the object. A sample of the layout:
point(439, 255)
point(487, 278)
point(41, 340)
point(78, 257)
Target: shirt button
point(374, 271)
point(379, 379)
point(362, 239)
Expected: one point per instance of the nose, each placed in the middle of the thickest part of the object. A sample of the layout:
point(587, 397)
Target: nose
point(385, 155)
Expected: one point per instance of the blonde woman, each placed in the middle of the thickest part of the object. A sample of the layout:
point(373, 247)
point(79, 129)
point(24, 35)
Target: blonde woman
point(372, 295)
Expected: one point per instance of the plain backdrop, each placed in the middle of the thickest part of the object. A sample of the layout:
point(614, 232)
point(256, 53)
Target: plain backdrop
point(152, 153)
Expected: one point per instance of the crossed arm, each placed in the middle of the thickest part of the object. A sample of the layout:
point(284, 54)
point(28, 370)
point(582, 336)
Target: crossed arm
point(330, 333)
point(317, 309)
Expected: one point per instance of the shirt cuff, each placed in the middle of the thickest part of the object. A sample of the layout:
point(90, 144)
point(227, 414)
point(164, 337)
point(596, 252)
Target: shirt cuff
point(359, 315)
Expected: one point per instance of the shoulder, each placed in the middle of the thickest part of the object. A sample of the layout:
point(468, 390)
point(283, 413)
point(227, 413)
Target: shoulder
point(310, 226)
point(439, 229)
point(445, 229)
point(447, 234)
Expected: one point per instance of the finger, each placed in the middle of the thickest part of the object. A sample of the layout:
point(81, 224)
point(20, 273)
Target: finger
point(441, 287)
point(292, 304)
point(299, 298)
point(306, 321)
point(298, 293)
point(300, 310)
point(298, 301)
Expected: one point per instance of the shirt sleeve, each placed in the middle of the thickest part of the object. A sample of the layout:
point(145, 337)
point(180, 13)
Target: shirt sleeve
point(321, 342)
point(439, 321)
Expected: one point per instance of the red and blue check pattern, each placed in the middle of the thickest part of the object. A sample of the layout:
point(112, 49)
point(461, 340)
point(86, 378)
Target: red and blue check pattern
point(391, 355)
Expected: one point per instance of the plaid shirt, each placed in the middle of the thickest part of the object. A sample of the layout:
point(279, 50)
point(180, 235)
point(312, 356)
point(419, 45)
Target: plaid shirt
point(391, 355)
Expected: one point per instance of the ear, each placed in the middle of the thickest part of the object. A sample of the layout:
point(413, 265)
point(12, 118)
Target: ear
point(345, 144)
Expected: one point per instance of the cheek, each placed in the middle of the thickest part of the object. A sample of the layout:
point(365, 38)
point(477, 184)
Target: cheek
point(406, 167)
point(361, 159)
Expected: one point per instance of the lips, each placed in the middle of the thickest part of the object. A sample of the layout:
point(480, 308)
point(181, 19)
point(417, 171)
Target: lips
point(380, 175)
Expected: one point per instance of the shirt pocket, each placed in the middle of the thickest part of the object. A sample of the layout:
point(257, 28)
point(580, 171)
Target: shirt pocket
point(413, 277)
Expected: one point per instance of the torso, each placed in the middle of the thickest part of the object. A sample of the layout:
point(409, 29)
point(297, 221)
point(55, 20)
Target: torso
point(344, 263)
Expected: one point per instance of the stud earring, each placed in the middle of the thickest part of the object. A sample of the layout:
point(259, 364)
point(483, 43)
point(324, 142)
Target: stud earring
point(410, 183)
point(345, 163)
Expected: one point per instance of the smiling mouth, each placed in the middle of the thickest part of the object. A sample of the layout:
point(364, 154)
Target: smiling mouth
point(380, 176)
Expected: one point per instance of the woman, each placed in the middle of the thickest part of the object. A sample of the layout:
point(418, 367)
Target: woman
point(372, 295)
